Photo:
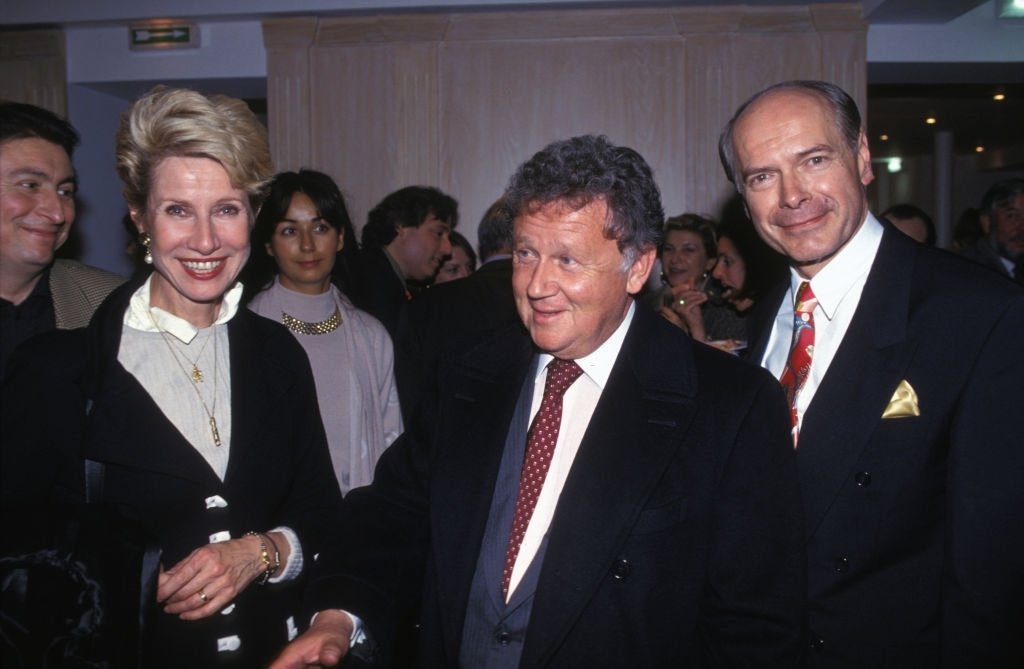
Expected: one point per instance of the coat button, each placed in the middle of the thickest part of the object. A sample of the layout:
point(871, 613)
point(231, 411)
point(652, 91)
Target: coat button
point(863, 479)
point(503, 638)
point(841, 564)
point(620, 569)
point(817, 645)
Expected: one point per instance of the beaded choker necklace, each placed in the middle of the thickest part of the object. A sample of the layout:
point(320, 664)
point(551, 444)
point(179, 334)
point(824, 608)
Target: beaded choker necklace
point(319, 328)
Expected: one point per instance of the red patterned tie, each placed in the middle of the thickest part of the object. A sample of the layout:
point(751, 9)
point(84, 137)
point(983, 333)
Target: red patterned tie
point(540, 445)
point(799, 363)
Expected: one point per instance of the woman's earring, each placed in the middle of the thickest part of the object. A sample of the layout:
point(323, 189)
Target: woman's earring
point(146, 242)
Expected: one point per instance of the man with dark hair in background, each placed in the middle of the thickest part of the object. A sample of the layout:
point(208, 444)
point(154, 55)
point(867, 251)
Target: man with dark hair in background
point(405, 239)
point(452, 317)
point(1001, 247)
point(649, 517)
point(37, 208)
point(903, 368)
point(912, 221)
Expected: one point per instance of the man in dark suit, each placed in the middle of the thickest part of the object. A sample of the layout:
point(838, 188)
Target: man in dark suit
point(452, 317)
point(1002, 220)
point(905, 375)
point(405, 240)
point(665, 530)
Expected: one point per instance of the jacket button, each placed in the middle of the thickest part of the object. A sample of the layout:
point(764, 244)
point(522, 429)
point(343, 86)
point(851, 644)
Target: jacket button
point(863, 479)
point(817, 645)
point(620, 569)
point(503, 638)
point(841, 564)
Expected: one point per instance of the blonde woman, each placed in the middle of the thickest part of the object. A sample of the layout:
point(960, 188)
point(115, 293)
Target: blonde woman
point(201, 415)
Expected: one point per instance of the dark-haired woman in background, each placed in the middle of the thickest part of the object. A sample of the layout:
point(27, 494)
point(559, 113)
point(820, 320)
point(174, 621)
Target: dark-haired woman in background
point(460, 263)
point(746, 268)
point(299, 239)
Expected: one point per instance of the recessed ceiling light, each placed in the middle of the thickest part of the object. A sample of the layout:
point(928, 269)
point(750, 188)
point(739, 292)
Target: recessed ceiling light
point(999, 97)
point(895, 165)
point(979, 149)
point(1010, 8)
point(884, 137)
point(931, 120)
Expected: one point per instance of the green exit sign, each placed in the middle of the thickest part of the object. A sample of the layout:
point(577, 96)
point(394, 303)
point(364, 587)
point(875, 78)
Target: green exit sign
point(164, 36)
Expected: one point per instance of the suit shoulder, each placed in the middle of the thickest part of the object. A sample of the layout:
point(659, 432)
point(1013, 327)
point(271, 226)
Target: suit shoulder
point(273, 338)
point(668, 356)
point(87, 275)
point(944, 275)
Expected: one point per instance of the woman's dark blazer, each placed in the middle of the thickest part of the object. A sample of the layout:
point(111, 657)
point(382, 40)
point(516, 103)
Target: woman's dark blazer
point(75, 401)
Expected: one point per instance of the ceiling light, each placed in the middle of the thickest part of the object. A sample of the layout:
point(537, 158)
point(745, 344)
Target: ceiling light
point(999, 97)
point(895, 164)
point(931, 120)
point(884, 137)
point(979, 149)
point(1009, 9)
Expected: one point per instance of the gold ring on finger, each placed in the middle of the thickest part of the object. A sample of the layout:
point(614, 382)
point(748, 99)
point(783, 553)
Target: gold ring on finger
point(203, 596)
point(682, 302)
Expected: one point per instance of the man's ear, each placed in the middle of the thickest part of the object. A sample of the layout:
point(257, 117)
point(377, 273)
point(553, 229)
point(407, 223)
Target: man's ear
point(864, 169)
point(636, 275)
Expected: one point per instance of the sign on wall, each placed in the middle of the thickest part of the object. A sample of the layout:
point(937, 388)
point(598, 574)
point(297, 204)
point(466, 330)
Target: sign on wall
point(162, 36)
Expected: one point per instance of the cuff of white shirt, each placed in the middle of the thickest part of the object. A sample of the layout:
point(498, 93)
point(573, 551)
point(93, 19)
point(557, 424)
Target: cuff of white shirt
point(293, 565)
point(358, 635)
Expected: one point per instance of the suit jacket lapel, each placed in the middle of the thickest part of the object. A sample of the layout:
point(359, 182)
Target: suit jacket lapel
point(481, 389)
point(867, 367)
point(636, 429)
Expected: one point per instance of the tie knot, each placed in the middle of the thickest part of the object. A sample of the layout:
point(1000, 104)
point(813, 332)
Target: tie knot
point(561, 375)
point(805, 299)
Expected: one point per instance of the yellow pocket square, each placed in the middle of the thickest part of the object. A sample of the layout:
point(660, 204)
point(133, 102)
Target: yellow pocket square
point(903, 403)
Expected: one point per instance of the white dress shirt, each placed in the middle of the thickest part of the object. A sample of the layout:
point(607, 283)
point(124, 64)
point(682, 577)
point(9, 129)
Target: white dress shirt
point(838, 287)
point(578, 406)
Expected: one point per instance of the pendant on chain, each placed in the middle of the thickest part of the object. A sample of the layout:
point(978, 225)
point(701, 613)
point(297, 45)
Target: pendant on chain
point(214, 431)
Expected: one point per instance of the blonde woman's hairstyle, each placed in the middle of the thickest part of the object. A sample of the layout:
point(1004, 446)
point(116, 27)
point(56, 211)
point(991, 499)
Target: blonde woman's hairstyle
point(177, 122)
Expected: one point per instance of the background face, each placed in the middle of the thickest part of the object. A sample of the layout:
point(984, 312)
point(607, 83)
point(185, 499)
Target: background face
point(200, 226)
point(37, 202)
point(803, 185)
point(304, 246)
point(567, 278)
point(730, 270)
point(1008, 228)
point(912, 227)
point(683, 258)
point(420, 251)
point(457, 266)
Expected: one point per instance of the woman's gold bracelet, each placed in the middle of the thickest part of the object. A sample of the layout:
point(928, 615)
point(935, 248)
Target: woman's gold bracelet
point(270, 566)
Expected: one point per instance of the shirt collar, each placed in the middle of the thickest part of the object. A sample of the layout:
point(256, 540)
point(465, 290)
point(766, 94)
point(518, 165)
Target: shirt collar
point(394, 266)
point(141, 315)
point(844, 270)
point(598, 365)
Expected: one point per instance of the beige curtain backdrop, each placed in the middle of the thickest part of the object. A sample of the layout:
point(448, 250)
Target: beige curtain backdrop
point(32, 69)
point(459, 100)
